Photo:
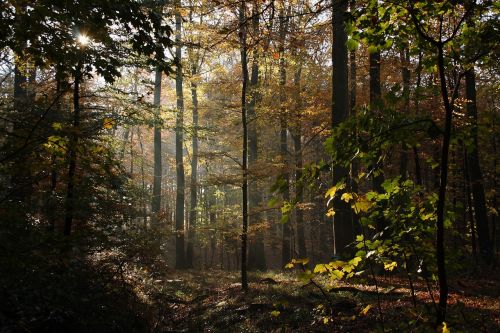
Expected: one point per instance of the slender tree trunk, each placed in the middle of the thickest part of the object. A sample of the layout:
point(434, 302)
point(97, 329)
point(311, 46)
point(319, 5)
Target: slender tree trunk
point(352, 113)
point(194, 175)
point(342, 221)
point(156, 200)
point(475, 173)
point(416, 158)
point(180, 261)
point(286, 252)
point(440, 254)
point(256, 254)
point(375, 103)
point(405, 75)
point(297, 143)
point(72, 155)
point(470, 206)
point(21, 173)
point(375, 100)
point(244, 187)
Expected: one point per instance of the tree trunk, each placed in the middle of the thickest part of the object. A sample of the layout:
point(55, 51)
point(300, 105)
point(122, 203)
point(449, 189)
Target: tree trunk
point(342, 220)
point(286, 251)
point(156, 200)
point(256, 254)
point(194, 175)
point(21, 173)
point(72, 155)
point(405, 76)
point(297, 143)
point(244, 187)
point(179, 140)
point(440, 255)
point(475, 173)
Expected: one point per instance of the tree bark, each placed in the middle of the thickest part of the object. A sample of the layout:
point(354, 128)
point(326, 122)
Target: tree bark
point(405, 76)
point(286, 251)
point(244, 187)
point(72, 154)
point(156, 200)
point(475, 173)
point(440, 255)
point(297, 143)
point(194, 175)
point(342, 220)
point(180, 261)
point(256, 254)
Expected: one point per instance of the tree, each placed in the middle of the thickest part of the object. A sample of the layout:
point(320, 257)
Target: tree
point(340, 110)
point(180, 260)
point(242, 33)
point(156, 201)
point(475, 173)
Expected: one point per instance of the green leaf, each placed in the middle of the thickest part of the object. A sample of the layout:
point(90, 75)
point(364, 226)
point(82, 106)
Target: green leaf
point(355, 261)
point(275, 313)
point(273, 202)
point(352, 44)
point(372, 49)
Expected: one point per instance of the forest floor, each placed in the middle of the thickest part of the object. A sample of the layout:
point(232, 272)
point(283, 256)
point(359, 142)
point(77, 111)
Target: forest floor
point(212, 301)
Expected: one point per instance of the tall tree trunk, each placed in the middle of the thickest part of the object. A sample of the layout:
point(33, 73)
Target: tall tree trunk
point(194, 175)
point(156, 200)
point(286, 228)
point(244, 187)
point(297, 144)
point(375, 100)
point(375, 103)
point(343, 234)
point(475, 173)
point(21, 173)
point(440, 255)
point(72, 154)
point(179, 139)
point(256, 254)
point(356, 227)
point(405, 75)
point(416, 158)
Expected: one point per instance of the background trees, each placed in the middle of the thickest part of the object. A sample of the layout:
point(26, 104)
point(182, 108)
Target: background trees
point(387, 108)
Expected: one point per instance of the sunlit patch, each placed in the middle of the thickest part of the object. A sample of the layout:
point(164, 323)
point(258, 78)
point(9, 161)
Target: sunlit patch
point(83, 39)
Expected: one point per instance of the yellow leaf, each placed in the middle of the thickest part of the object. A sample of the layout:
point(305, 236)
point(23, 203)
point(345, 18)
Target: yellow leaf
point(390, 266)
point(361, 205)
point(336, 275)
point(346, 197)
point(108, 123)
point(445, 328)
point(320, 268)
point(289, 265)
point(57, 126)
point(365, 310)
point(275, 313)
point(331, 192)
point(330, 212)
point(302, 261)
point(326, 320)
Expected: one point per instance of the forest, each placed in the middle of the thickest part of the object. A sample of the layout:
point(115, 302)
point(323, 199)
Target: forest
point(249, 166)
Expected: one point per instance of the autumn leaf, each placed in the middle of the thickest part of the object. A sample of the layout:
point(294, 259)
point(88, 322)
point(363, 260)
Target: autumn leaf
point(365, 310)
point(390, 266)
